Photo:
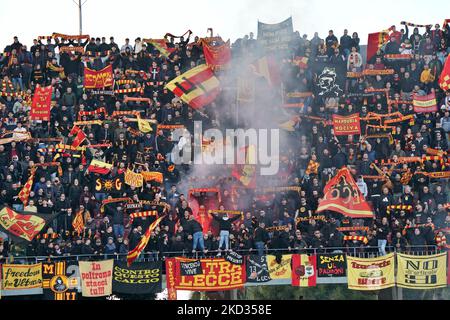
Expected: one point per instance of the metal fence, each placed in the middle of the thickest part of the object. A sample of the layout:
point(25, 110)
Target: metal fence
point(364, 252)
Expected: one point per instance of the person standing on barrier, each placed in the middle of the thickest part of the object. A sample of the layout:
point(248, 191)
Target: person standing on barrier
point(196, 230)
point(225, 224)
point(382, 233)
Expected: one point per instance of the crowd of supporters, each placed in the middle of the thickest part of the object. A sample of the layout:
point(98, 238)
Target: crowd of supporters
point(281, 220)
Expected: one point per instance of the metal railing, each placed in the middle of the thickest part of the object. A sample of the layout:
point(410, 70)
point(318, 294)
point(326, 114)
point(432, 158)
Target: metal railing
point(360, 252)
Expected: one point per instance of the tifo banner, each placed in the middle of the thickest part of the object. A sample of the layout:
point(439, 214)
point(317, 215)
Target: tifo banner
point(425, 104)
point(279, 269)
point(21, 227)
point(370, 274)
point(139, 278)
point(257, 269)
point(304, 271)
point(218, 275)
point(42, 101)
point(275, 37)
point(193, 268)
point(331, 265)
point(344, 126)
point(343, 195)
point(197, 87)
point(422, 272)
point(22, 279)
point(96, 278)
point(55, 282)
point(98, 79)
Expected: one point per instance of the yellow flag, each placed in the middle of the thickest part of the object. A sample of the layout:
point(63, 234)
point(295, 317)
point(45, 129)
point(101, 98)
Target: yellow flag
point(144, 126)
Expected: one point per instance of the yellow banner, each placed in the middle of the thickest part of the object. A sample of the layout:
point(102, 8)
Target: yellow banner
point(370, 274)
point(22, 276)
point(422, 272)
point(280, 270)
point(96, 278)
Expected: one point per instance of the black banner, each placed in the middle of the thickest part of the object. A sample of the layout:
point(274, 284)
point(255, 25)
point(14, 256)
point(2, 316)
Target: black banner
point(57, 281)
point(331, 265)
point(109, 186)
point(257, 269)
point(139, 278)
point(191, 268)
point(275, 37)
point(234, 258)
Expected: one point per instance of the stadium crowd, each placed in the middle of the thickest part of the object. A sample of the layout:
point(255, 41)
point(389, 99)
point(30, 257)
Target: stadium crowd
point(281, 220)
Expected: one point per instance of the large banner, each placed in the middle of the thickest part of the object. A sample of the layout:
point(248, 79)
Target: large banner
point(304, 270)
point(331, 265)
point(21, 279)
point(42, 101)
point(422, 272)
point(275, 37)
point(280, 269)
point(57, 282)
point(98, 79)
point(257, 269)
point(96, 278)
point(218, 275)
point(344, 126)
point(139, 278)
point(370, 274)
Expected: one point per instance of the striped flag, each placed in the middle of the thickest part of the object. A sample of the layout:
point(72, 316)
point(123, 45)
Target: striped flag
point(425, 104)
point(78, 222)
point(161, 46)
point(24, 194)
point(134, 254)
point(267, 67)
point(304, 270)
point(100, 167)
point(197, 87)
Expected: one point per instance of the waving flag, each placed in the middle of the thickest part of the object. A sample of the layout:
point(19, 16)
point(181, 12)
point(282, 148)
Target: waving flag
point(134, 254)
point(217, 57)
point(375, 42)
point(343, 195)
point(444, 80)
point(268, 68)
point(78, 222)
point(24, 194)
point(100, 167)
point(197, 87)
point(161, 46)
point(425, 104)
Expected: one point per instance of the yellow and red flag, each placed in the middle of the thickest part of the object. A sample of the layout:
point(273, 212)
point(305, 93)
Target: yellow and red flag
point(444, 80)
point(246, 173)
point(197, 87)
point(375, 42)
point(425, 104)
point(100, 167)
point(343, 195)
point(24, 194)
point(78, 222)
point(98, 79)
point(161, 46)
point(304, 270)
point(134, 254)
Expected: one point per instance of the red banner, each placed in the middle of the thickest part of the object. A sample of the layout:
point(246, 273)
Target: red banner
point(304, 270)
point(217, 275)
point(343, 195)
point(98, 79)
point(425, 104)
point(42, 100)
point(217, 57)
point(344, 126)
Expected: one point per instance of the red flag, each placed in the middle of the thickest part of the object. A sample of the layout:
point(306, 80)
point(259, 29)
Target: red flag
point(42, 100)
point(444, 80)
point(217, 57)
point(79, 139)
point(344, 126)
point(375, 42)
point(98, 79)
point(304, 270)
point(343, 195)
